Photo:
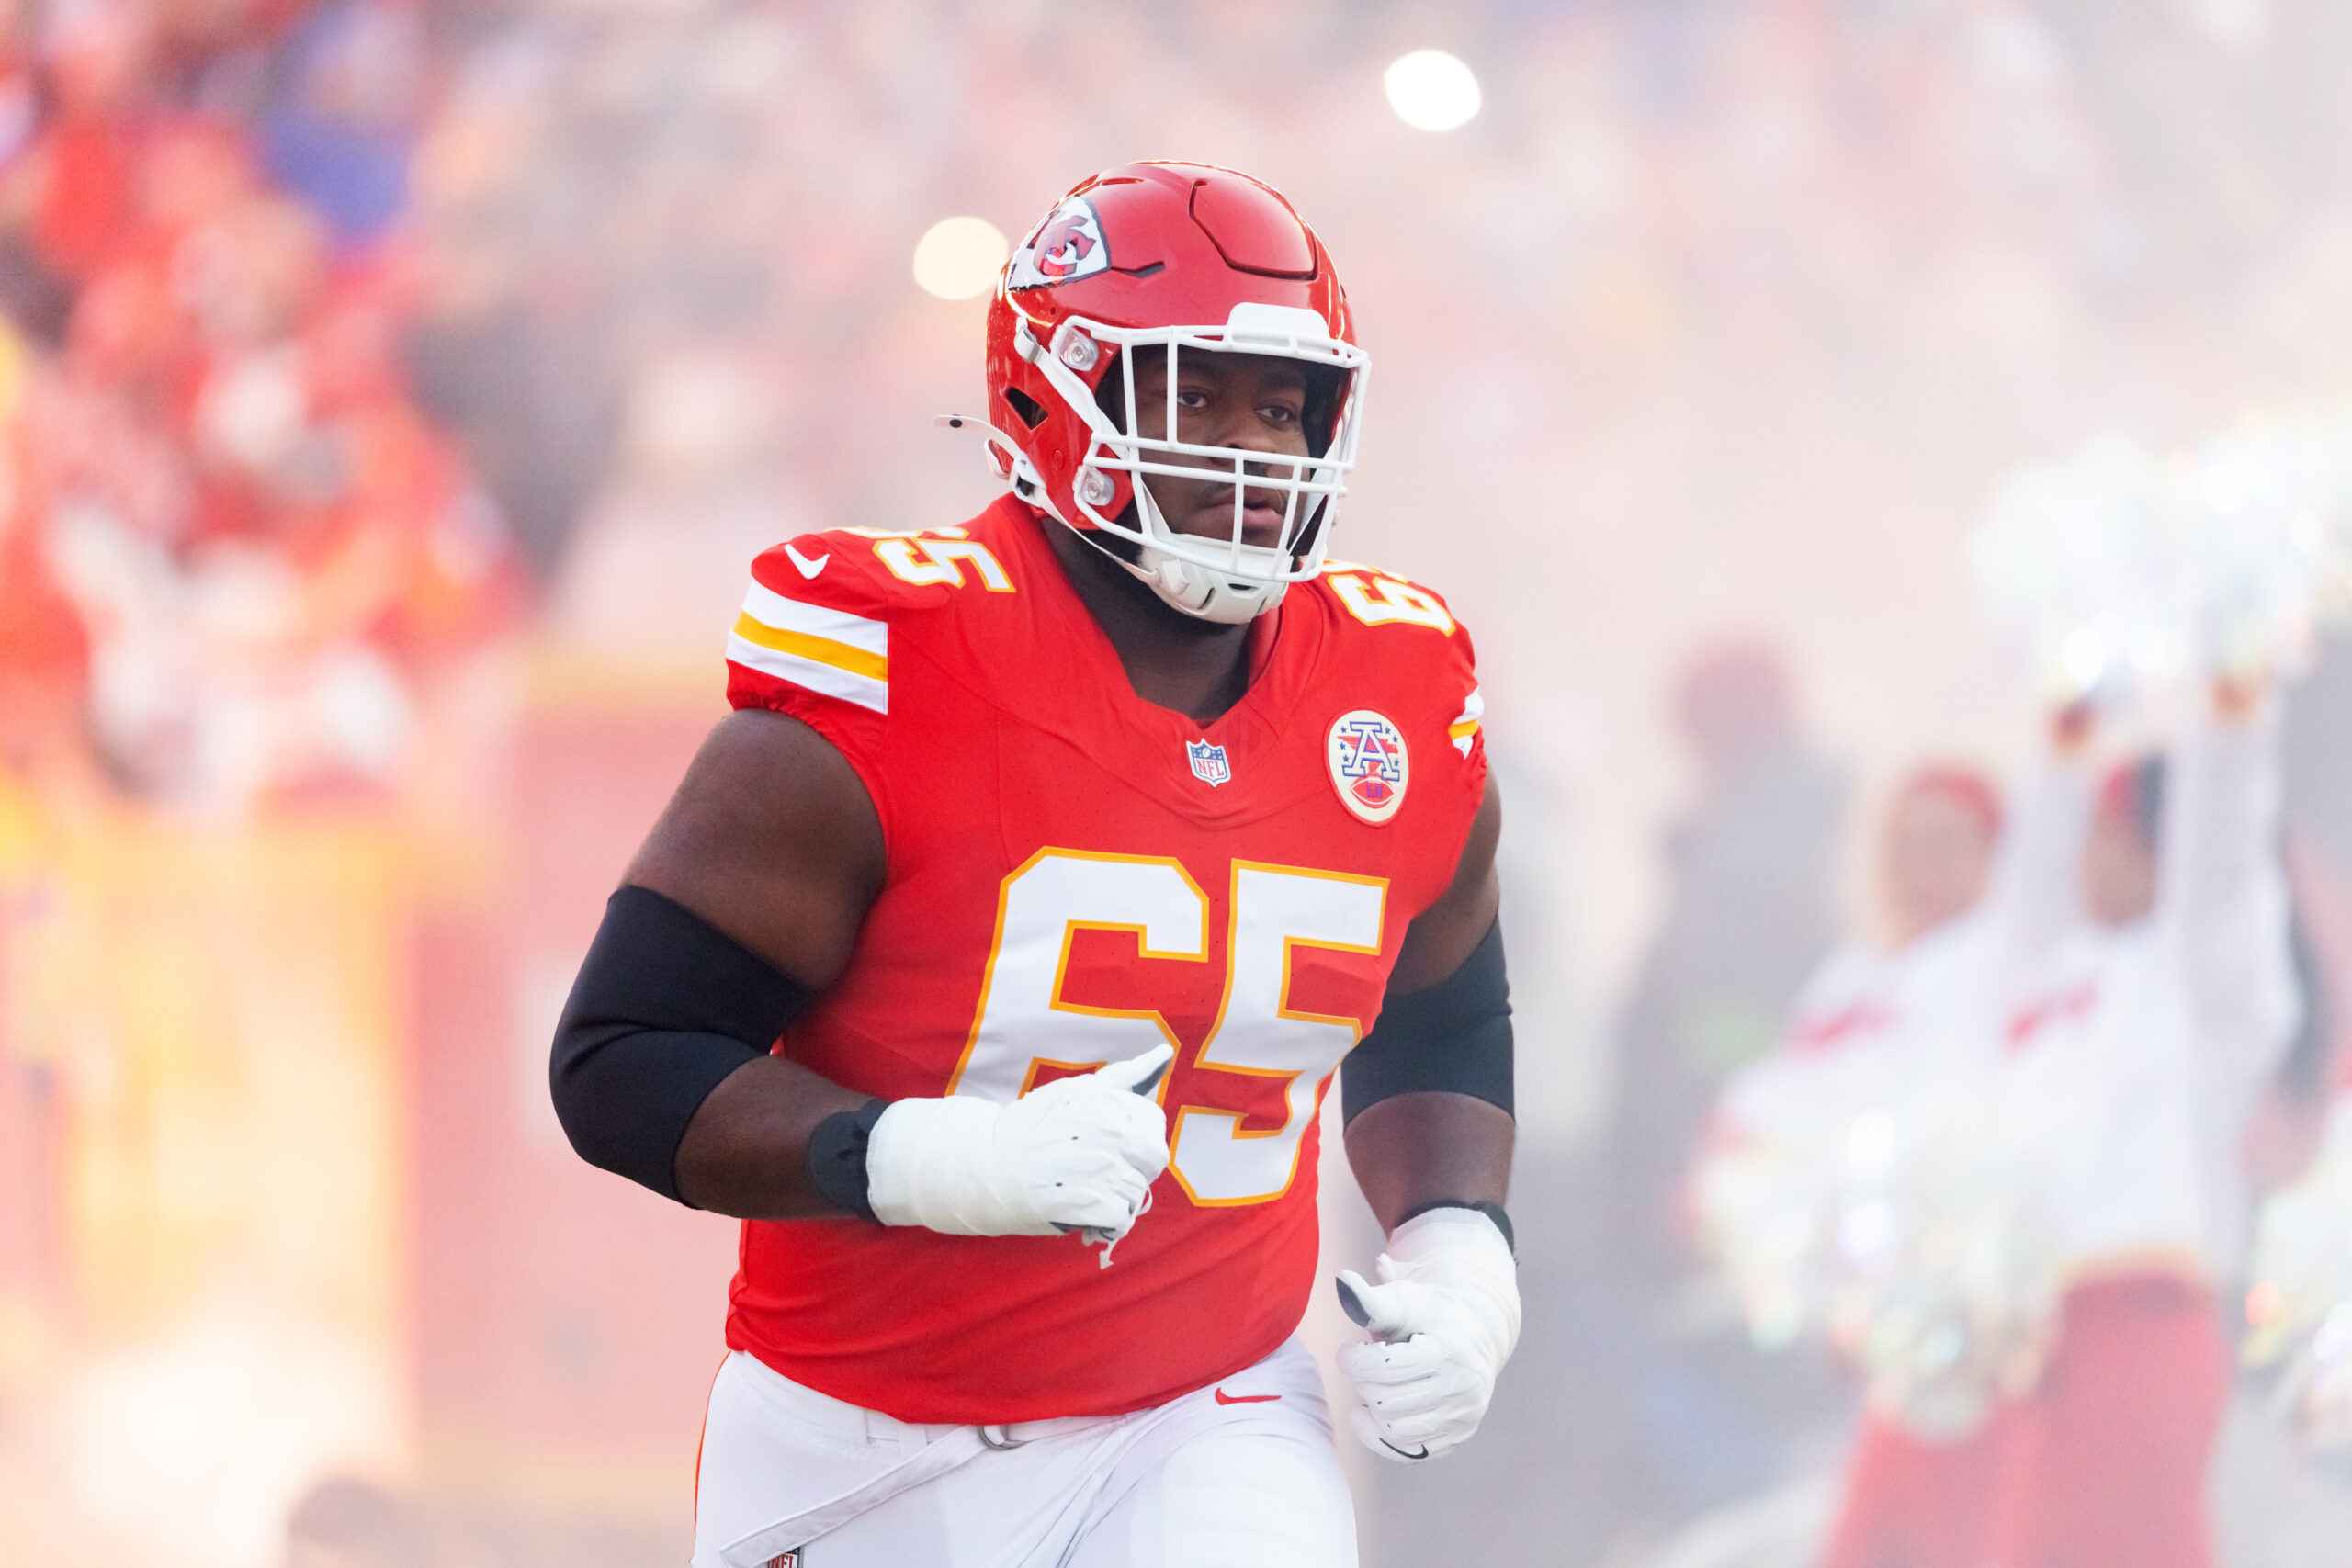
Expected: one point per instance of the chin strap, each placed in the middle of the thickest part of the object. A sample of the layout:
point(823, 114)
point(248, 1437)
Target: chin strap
point(1201, 593)
point(1188, 589)
point(1198, 591)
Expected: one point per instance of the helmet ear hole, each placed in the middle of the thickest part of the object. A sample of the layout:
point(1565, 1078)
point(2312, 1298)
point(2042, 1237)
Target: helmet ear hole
point(1032, 412)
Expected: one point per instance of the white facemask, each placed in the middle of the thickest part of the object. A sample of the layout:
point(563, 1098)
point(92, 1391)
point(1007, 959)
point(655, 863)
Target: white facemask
point(1222, 580)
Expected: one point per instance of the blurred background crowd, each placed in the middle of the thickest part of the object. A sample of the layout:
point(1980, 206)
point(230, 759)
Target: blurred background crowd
point(392, 393)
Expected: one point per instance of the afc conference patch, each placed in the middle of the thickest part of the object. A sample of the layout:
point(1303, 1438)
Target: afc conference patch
point(1369, 767)
point(1208, 762)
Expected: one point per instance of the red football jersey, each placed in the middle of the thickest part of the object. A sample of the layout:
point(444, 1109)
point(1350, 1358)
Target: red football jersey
point(1074, 876)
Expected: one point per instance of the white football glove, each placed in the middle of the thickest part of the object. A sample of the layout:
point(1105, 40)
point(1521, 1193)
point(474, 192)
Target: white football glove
point(1078, 1153)
point(1446, 1317)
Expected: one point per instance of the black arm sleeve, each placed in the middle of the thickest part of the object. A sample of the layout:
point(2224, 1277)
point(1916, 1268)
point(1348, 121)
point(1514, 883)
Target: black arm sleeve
point(1454, 1038)
point(666, 1005)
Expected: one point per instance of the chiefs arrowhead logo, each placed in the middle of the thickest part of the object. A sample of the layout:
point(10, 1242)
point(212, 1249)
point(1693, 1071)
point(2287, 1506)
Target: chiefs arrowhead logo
point(1068, 244)
point(1063, 248)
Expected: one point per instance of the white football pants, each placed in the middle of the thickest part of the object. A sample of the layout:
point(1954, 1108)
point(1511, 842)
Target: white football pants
point(1241, 1474)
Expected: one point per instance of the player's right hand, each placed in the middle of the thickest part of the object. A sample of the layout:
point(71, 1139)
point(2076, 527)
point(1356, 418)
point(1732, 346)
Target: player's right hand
point(1078, 1153)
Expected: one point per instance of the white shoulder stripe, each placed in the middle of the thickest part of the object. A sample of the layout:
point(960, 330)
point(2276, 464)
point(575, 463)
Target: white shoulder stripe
point(769, 608)
point(827, 680)
point(1464, 730)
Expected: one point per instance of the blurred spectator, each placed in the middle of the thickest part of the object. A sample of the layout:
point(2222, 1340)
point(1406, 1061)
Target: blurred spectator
point(44, 647)
point(1880, 1026)
point(1705, 1417)
point(1749, 914)
point(2316, 763)
point(514, 344)
point(2159, 999)
point(344, 1523)
point(2318, 760)
point(272, 557)
point(343, 111)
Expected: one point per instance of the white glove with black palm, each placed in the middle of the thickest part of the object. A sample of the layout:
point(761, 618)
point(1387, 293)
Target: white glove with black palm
point(1445, 1318)
point(1078, 1153)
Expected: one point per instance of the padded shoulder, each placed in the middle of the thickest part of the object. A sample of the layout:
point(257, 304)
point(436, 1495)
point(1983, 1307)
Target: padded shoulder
point(815, 618)
point(1373, 598)
point(1390, 621)
point(843, 568)
point(819, 613)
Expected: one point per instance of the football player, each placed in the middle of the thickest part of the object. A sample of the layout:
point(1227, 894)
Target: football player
point(994, 955)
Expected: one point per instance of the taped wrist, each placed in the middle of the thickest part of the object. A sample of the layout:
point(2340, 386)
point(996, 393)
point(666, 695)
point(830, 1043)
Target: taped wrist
point(1454, 1038)
point(933, 1165)
point(666, 1005)
point(1485, 1206)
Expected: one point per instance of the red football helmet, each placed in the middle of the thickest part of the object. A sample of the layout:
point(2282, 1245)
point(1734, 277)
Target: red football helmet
point(1177, 257)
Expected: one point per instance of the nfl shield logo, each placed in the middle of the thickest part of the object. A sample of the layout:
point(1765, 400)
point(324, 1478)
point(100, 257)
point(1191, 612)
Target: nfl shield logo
point(1208, 762)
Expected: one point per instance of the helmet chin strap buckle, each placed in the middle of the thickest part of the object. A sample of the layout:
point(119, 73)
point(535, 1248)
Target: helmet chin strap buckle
point(1176, 584)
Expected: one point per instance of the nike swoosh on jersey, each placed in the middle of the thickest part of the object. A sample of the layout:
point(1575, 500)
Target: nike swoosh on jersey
point(808, 567)
point(1395, 1449)
point(1225, 1398)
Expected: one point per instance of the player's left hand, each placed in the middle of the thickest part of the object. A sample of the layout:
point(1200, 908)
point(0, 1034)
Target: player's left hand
point(1445, 1316)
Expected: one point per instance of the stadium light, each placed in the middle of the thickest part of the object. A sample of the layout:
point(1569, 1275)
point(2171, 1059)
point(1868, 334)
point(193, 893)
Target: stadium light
point(959, 257)
point(1431, 90)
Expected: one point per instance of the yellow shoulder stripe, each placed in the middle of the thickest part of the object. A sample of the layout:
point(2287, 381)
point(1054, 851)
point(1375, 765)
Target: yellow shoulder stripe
point(818, 649)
